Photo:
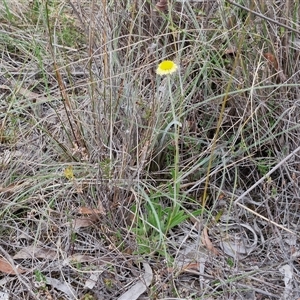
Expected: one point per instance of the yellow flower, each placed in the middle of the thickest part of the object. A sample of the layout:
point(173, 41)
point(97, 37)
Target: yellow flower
point(166, 67)
point(68, 172)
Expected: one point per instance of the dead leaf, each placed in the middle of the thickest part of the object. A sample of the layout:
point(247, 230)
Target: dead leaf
point(4, 296)
point(272, 60)
point(162, 5)
point(207, 243)
point(230, 51)
point(7, 268)
point(28, 95)
point(82, 223)
point(240, 246)
point(77, 258)
point(83, 210)
point(62, 286)
point(13, 187)
point(36, 252)
point(81, 258)
point(91, 282)
point(191, 266)
point(140, 287)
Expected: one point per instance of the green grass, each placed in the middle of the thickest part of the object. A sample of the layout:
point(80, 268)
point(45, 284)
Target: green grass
point(156, 159)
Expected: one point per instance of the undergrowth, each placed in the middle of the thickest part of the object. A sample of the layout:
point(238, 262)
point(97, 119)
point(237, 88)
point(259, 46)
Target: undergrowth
point(105, 165)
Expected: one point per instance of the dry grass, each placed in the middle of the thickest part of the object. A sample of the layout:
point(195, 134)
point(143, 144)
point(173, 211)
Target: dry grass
point(97, 178)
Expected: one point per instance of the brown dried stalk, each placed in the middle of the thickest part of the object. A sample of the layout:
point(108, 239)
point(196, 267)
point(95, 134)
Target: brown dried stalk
point(162, 5)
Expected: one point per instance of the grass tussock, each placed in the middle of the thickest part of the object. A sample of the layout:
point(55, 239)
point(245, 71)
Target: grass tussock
point(109, 169)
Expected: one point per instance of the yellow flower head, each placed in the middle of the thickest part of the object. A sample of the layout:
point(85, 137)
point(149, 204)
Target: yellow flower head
point(166, 67)
point(68, 172)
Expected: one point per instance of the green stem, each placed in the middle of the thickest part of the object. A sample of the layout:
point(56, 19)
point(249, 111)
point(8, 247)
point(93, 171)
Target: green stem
point(177, 125)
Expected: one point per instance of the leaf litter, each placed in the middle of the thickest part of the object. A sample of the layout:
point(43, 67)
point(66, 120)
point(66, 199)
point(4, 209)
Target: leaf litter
point(218, 258)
